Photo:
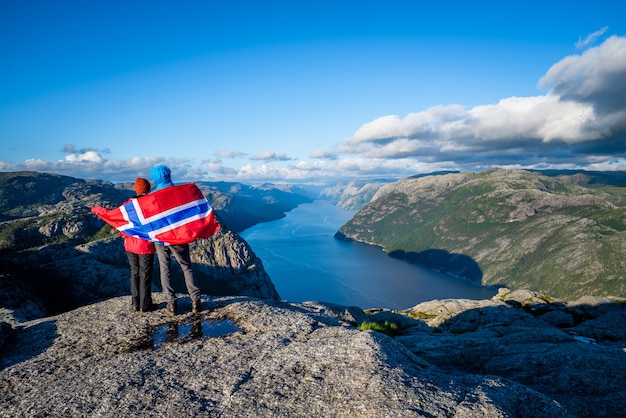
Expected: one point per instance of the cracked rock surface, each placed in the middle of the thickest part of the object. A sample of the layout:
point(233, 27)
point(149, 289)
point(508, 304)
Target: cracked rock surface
point(270, 358)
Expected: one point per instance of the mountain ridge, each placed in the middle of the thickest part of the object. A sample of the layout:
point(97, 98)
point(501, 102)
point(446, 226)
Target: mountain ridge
point(60, 255)
point(563, 235)
point(518, 354)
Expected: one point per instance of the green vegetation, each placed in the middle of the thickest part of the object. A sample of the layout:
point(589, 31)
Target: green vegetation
point(421, 315)
point(562, 236)
point(105, 232)
point(389, 328)
point(24, 233)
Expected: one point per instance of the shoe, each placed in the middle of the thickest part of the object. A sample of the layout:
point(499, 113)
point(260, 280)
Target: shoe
point(171, 308)
point(149, 308)
point(196, 305)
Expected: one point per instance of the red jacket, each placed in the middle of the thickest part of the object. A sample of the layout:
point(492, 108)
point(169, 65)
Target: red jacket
point(137, 245)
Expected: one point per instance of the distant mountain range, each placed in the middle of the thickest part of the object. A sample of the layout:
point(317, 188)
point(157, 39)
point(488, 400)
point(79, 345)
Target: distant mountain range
point(69, 344)
point(562, 233)
point(55, 255)
point(241, 206)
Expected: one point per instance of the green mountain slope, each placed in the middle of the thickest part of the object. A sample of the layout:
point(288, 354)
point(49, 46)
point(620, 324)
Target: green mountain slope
point(564, 235)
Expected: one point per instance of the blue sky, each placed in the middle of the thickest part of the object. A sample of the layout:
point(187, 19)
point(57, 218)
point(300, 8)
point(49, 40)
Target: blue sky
point(287, 91)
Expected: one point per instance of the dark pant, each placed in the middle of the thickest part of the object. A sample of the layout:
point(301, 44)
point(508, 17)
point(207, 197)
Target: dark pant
point(141, 266)
point(181, 254)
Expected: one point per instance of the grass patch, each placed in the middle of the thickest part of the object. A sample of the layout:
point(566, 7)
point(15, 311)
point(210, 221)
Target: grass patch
point(421, 315)
point(389, 328)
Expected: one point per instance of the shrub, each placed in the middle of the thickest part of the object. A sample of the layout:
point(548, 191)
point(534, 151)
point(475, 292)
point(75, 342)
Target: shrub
point(389, 328)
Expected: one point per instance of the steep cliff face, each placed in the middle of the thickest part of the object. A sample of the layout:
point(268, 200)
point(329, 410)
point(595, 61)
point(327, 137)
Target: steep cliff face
point(226, 265)
point(352, 195)
point(241, 357)
point(516, 355)
point(563, 235)
point(66, 277)
point(66, 257)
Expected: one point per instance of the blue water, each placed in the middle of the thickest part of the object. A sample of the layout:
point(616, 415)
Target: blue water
point(306, 263)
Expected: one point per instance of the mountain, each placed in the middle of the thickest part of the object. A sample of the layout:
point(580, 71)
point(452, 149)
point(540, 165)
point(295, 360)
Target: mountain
point(352, 195)
point(241, 206)
point(561, 233)
point(57, 256)
point(71, 346)
point(515, 355)
point(38, 208)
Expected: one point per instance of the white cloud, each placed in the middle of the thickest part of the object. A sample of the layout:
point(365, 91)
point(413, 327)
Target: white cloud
point(323, 154)
point(269, 156)
point(582, 115)
point(89, 156)
point(229, 154)
point(596, 77)
point(579, 123)
point(591, 38)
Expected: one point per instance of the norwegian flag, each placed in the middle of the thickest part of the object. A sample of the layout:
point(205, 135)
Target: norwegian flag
point(169, 216)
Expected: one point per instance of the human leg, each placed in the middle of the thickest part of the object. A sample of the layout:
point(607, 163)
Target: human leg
point(146, 263)
point(164, 257)
point(133, 261)
point(181, 253)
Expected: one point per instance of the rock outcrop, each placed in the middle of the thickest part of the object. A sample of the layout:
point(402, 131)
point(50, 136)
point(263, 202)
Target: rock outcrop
point(67, 277)
point(563, 235)
point(573, 352)
point(352, 195)
point(241, 357)
point(65, 257)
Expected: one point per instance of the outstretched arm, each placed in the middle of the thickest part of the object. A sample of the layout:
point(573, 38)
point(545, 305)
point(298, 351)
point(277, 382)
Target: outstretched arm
point(98, 210)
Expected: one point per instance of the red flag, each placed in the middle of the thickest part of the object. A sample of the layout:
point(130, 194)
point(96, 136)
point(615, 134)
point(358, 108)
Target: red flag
point(173, 215)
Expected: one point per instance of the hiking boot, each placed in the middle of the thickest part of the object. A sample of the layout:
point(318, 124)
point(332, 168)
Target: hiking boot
point(196, 306)
point(148, 308)
point(171, 308)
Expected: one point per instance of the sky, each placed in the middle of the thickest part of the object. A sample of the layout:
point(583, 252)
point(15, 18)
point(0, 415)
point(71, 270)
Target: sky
point(310, 91)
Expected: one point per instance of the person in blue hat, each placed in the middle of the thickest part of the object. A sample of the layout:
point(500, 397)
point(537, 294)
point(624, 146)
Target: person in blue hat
point(161, 176)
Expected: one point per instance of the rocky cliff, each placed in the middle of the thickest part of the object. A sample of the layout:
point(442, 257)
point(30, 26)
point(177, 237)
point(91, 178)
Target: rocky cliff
point(241, 206)
point(355, 194)
point(352, 195)
point(563, 234)
point(60, 255)
point(65, 277)
point(519, 354)
point(516, 355)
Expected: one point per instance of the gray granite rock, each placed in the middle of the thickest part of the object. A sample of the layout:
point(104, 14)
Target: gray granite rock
point(573, 352)
point(241, 357)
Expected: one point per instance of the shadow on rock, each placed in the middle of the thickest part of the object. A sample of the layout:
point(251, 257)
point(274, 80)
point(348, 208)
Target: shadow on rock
point(458, 265)
point(572, 352)
point(24, 343)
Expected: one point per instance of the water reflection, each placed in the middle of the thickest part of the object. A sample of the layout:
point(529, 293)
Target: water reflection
point(190, 329)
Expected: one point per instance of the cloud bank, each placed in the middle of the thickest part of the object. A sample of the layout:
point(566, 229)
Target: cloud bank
point(580, 122)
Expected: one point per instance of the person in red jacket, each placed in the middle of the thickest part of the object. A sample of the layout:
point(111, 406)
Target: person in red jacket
point(140, 255)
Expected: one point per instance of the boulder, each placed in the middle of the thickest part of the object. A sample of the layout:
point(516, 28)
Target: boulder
point(241, 356)
point(572, 352)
